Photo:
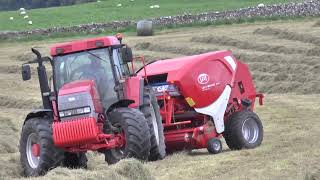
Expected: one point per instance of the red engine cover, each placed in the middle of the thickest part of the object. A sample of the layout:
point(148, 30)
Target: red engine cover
point(75, 132)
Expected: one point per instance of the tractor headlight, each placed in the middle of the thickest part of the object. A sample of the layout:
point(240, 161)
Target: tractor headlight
point(76, 111)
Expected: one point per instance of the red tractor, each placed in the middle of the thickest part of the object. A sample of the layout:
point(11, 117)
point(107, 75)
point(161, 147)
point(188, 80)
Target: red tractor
point(97, 101)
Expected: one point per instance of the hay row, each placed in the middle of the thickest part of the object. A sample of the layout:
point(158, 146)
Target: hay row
point(285, 34)
point(246, 45)
point(11, 102)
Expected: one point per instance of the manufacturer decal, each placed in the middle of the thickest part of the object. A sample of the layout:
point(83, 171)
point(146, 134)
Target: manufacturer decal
point(160, 89)
point(209, 86)
point(203, 78)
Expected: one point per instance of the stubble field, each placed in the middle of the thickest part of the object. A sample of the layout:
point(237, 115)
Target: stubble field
point(283, 57)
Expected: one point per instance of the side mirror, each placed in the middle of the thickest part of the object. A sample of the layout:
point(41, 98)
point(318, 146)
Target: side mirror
point(126, 54)
point(26, 72)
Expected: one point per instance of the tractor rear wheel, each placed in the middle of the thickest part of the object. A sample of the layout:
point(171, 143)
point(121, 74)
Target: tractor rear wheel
point(37, 151)
point(132, 123)
point(151, 110)
point(75, 160)
point(243, 130)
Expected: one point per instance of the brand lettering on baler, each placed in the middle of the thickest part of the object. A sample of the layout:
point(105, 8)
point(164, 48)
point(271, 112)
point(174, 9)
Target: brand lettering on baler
point(209, 86)
point(203, 78)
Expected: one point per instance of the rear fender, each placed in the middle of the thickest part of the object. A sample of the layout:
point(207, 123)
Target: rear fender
point(39, 113)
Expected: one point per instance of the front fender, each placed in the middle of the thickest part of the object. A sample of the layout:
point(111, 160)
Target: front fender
point(39, 113)
point(121, 103)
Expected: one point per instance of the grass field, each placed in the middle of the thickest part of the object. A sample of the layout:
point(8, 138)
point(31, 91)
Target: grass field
point(284, 59)
point(107, 11)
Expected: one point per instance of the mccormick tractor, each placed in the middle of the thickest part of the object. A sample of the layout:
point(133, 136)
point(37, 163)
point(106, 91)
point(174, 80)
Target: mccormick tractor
point(96, 101)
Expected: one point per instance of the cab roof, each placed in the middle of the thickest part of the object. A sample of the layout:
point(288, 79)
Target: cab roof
point(81, 45)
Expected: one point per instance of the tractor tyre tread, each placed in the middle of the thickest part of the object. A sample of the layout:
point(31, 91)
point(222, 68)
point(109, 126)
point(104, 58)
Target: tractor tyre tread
point(137, 134)
point(50, 156)
point(157, 152)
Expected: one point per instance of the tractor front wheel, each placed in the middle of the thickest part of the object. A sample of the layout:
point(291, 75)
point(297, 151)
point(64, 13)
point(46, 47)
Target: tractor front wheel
point(243, 130)
point(151, 110)
point(131, 123)
point(37, 151)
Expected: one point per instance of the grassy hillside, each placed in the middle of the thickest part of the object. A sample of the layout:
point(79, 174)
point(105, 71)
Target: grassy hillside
point(107, 10)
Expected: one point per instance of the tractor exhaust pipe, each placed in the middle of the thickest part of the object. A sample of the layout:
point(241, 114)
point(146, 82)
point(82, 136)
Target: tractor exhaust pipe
point(43, 81)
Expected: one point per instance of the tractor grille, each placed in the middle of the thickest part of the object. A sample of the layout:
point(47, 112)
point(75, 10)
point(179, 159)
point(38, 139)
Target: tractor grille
point(75, 132)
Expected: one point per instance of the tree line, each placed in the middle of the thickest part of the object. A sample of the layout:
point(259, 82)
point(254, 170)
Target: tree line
point(32, 4)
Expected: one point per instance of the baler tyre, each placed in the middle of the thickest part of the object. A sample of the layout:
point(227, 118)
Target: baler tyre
point(151, 110)
point(75, 160)
point(37, 151)
point(243, 130)
point(137, 136)
point(214, 146)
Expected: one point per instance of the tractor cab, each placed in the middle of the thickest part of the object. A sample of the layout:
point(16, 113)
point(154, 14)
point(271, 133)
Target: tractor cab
point(98, 60)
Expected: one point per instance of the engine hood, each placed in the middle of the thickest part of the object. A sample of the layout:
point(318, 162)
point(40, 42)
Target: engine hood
point(78, 87)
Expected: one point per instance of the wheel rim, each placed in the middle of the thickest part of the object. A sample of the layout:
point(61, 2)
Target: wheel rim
point(250, 130)
point(33, 150)
point(155, 124)
point(216, 146)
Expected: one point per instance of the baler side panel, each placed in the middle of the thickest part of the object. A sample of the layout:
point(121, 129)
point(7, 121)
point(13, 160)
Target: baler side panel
point(243, 78)
point(205, 82)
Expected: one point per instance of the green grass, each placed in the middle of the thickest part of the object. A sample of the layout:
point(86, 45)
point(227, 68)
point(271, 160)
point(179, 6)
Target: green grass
point(106, 11)
point(132, 31)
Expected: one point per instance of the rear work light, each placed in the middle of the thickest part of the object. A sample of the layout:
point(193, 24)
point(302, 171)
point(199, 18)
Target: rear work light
point(76, 111)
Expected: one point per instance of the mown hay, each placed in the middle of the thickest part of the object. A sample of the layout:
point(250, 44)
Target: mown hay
point(124, 170)
point(11, 102)
point(285, 34)
point(317, 24)
point(10, 166)
point(8, 136)
point(227, 41)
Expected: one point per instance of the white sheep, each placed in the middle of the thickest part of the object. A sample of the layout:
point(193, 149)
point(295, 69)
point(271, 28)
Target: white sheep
point(151, 7)
point(22, 9)
point(11, 18)
point(119, 5)
point(261, 5)
point(156, 6)
point(26, 17)
point(23, 12)
point(30, 22)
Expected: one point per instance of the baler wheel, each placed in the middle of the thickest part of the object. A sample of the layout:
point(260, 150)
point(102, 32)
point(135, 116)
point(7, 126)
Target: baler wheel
point(75, 160)
point(214, 146)
point(133, 124)
point(37, 151)
point(151, 110)
point(243, 130)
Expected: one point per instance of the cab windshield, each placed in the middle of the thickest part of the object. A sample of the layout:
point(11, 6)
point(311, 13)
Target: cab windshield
point(94, 65)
